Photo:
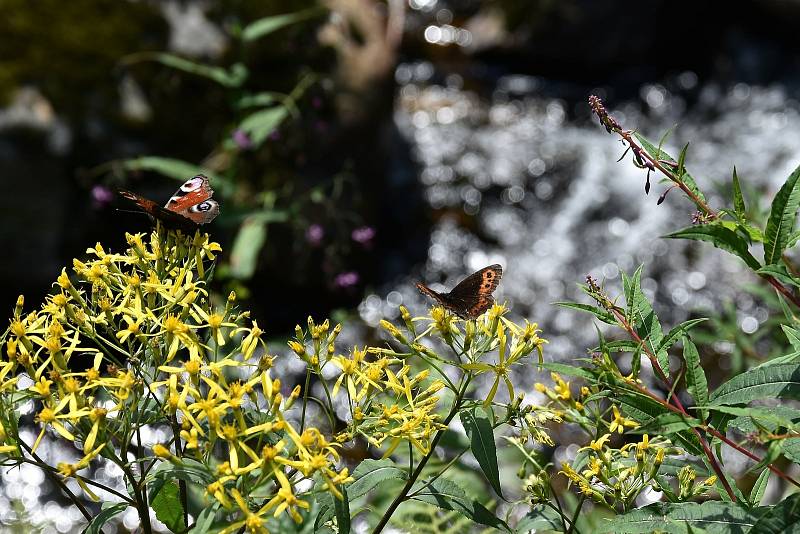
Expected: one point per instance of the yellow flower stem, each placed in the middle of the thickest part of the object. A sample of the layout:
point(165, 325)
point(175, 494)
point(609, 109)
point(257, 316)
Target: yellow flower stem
point(403, 495)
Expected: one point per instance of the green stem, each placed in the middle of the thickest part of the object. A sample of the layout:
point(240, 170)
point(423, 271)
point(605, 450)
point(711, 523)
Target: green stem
point(403, 495)
point(305, 400)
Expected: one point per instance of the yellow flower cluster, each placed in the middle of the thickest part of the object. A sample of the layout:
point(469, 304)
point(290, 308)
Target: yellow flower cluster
point(136, 331)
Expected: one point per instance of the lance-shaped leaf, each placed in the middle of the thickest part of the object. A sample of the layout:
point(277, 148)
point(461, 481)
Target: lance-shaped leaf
point(738, 198)
point(481, 441)
point(720, 237)
point(710, 517)
point(782, 218)
point(782, 518)
point(780, 381)
point(696, 383)
point(448, 495)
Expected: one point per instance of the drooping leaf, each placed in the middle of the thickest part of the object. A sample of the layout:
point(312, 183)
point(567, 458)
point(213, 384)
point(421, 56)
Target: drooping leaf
point(109, 510)
point(247, 247)
point(779, 272)
point(782, 218)
point(540, 518)
point(783, 518)
point(659, 154)
point(370, 473)
point(766, 382)
point(720, 237)
point(233, 77)
point(603, 315)
point(667, 424)
point(448, 495)
point(260, 124)
point(481, 437)
point(267, 25)
point(168, 508)
point(176, 169)
point(696, 383)
point(678, 332)
point(712, 517)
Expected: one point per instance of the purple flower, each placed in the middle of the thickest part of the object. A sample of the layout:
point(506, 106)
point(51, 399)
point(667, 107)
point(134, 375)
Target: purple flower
point(314, 235)
point(316, 102)
point(346, 279)
point(363, 235)
point(241, 139)
point(101, 195)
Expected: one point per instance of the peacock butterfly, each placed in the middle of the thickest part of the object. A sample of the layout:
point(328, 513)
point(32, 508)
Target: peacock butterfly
point(191, 205)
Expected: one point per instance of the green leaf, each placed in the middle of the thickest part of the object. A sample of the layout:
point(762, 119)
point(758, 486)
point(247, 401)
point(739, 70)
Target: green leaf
point(793, 335)
point(757, 493)
point(205, 519)
point(644, 318)
point(696, 383)
point(782, 218)
point(620, 345)
point(267, 25)
point(109, 510)
point(605, 316)
point(176, 169)
point(720, 237)
point(168, 508)
point(779, 272)
point(783, 518)
point(448, 495)
point(342, 511)
point(657, 153)
point(233, 77)
point(481, 436)
point(712, 517)
point(738, 199)
point(666, 424)
point(370, 473)
point(678, 332)
point(540, 518)
point(569, 370)
point(259, 125)
point(791, 449)
point(247, 247)
point(751, 418)
point(767, 382)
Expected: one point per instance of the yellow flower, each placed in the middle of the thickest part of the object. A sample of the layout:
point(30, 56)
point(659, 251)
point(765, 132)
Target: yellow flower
point(597, 444)
point(619, 423)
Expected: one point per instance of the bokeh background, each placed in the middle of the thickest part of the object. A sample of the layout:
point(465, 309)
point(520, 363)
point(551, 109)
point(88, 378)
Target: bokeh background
point(358, 146)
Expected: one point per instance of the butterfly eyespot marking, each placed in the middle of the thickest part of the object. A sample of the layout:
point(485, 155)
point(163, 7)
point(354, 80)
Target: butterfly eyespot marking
point(193, 184)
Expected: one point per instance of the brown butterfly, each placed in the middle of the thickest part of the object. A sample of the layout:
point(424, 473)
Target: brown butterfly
point(190, 206)
point(472, 296)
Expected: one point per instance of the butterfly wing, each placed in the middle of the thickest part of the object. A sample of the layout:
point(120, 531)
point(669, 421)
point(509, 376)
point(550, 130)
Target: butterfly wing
point(193, 201)
point(472, 296)
point(168, 217)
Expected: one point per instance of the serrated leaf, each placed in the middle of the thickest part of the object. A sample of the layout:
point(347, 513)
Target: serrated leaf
point(738, 198)
point(657, 153)
point(678, 332)
point(267, 25)
point(782, 218)
point(109, 510)
point(666, 424)
point(783, 518)
point(696, 383)
point(779, 272)
point(751, 418)
point(767, 382)
point(370, 473)
point(259, 125)
point(713, 517)
point(757, 493)
point(793, 335)
point(644, 318)
point(168, 508)
point(605, 316)
point(791, 449)
point(481, 437)
point(540, 518)
point(448, 495)
point(569, 370)
point(720, 237)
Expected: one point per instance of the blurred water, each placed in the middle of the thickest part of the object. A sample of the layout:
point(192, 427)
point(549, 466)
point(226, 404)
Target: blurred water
point(522, 184)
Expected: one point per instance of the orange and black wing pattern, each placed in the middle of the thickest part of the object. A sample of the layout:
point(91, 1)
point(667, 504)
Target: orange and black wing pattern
point(472, 296)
